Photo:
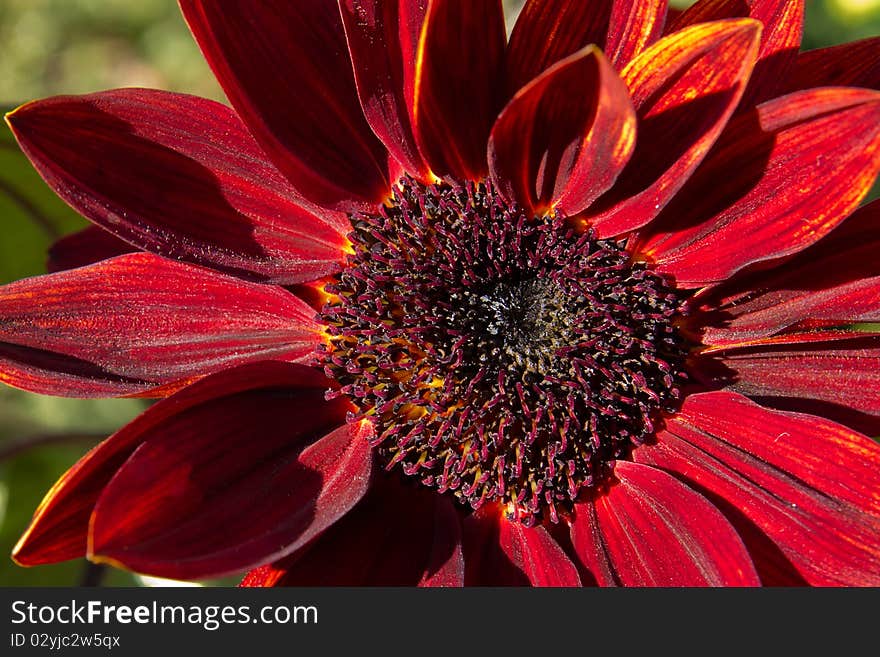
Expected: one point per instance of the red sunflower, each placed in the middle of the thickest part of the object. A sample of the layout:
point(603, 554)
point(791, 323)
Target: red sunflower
point(435, 307)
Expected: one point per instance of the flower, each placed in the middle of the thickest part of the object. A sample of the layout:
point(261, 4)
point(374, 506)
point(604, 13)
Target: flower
point(431, 307)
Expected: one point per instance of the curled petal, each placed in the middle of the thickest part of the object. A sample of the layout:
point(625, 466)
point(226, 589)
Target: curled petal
point(652, 530)
point(548, 31)
point(231, 484)
point(685, 87)
point(179, 176)
point(565, 137)
point(60, 525)
point(779, 179)
point(134, 323)
point(810, 485)
point(832, 284)
point(286, 69)
point(457, 84)
point(400, 536)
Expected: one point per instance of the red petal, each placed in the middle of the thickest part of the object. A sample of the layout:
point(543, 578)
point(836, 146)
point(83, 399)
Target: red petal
point(85, 247)
point(286, 69)
point(779, 179)
point(179, 176)
point(400, 536)
point(565, 137)
point(60, 525)
point(231, 484)
point(855, 64)
point(684, 88)
point(458, 80)
point(382, 39)
point(842, 372)
point(783, 22)
point(809, 484)
point(835, 282)
point(445, 566)
point(127, 325)
point(548, 31)
point(499, 552)
point(652, 530)
point(633, 27)
point(264, 576)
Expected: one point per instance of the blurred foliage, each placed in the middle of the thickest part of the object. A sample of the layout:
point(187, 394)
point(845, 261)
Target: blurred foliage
point(76, 46)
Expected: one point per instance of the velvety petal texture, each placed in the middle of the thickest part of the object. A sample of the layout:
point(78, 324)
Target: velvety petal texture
point(60, 526)
point(783, 22)
point(233, 482)
point(565, 137)
point(400, 536)
point(285, 67)
point(780, 178)
point(652, 530)
point(179, 176)
point(685, 87)
point(383, 39)
point(810, 485)
point(458, 84)
point(136, 322)
point(499, 552)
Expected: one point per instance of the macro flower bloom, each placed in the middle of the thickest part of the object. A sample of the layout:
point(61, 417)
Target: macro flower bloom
point(431, 306)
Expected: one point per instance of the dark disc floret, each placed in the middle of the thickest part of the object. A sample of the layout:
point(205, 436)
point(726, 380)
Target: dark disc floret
point(500, 357)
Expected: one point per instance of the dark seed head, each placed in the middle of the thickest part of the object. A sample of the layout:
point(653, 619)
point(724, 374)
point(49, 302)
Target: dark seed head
point(500, 357)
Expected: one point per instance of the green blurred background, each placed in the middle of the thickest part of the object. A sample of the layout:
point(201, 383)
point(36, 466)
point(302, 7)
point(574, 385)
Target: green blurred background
point(75, 46)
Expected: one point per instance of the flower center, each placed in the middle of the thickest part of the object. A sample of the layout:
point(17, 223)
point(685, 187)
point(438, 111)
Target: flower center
point(500, 357)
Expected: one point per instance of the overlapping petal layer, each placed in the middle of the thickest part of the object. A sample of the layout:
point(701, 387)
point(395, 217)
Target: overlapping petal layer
point(780, 178)
point(251, 465)
point(232, 483)
point(651, 530)
point(685, 87)
point(783, 22)
point(85, 247)
point(855, 64)
point(136, 322)
point(565, 137)
point(60, 525)
point(499, 552)
point(810, 485)
point(285, 67)
point(179, 176)
point(841, 372)
point(832, 284)
point(400, 536)
point(383, 40)
point(548, 31)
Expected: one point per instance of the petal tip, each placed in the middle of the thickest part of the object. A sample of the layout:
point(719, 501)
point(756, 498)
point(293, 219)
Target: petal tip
point(19, 553)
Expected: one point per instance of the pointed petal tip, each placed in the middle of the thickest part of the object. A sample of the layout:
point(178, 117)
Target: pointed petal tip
point(11, 114)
